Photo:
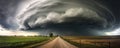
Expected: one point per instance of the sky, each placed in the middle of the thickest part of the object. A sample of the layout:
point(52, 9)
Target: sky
point(62, 17)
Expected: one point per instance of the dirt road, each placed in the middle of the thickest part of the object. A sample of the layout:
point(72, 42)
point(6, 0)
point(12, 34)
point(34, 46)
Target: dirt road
point(58, 43)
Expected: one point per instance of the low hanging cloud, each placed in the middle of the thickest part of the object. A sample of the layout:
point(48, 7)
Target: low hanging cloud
point(78, 15)
point(68, 21)
point(68, 17)
point(58, 16)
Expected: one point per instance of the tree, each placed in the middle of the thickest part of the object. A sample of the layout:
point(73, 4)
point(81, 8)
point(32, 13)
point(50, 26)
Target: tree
point(50, 34)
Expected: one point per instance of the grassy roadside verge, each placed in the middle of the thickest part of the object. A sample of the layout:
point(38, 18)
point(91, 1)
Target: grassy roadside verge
point(39, 44)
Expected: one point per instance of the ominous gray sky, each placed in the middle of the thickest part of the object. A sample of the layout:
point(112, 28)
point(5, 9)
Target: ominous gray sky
point(64, 17)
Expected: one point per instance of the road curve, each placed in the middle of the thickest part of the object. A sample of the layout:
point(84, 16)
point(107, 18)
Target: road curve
point(58, 43)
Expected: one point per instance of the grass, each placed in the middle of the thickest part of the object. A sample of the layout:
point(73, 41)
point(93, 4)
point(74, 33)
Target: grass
point(20, 41)
point(93, 41)
point(83, 45)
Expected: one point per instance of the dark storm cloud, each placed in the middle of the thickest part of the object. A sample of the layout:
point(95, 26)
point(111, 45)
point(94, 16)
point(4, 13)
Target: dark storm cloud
point(65, 17)
point(72, 16)
point(7, 12)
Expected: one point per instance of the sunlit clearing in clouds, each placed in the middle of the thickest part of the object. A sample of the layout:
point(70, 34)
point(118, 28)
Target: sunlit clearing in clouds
point(115, 32)
point(17, 33)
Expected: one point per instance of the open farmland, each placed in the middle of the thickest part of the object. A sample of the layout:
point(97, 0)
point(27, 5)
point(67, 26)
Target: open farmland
point(20, 41)
point(94, 41)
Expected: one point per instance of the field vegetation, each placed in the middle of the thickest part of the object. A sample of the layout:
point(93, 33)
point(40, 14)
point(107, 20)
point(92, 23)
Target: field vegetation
point(20, 41)
point(94, 41)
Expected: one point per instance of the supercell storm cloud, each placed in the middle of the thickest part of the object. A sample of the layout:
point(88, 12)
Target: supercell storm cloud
point(63, 17)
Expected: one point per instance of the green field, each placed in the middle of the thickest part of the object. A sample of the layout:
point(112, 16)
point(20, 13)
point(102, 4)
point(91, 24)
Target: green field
point(20, 41)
